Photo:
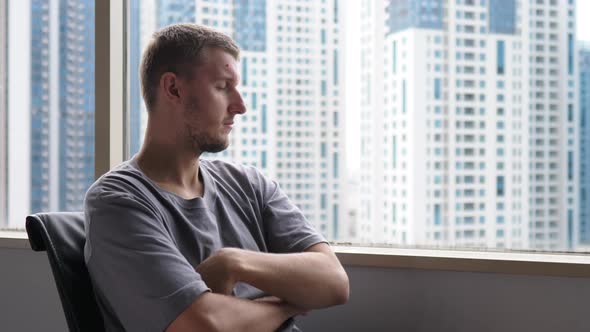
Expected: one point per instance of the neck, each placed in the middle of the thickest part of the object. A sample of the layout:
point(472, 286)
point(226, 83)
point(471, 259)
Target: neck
point(170, 167)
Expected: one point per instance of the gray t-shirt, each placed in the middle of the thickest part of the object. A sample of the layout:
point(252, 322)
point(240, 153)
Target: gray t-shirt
point(143, 243)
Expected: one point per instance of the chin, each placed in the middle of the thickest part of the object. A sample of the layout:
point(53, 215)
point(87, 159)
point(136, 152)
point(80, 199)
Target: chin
point(215, 147)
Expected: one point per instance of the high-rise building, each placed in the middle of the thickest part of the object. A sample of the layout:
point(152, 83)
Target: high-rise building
point(3, 112)
point(76, 102)
point(467, 123)
point(584, 68)
point(548, 42)
point(51, 106)
point(135, 113)
point(291, 69)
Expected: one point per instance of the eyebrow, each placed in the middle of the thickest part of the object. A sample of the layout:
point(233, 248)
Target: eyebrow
point(232, 79)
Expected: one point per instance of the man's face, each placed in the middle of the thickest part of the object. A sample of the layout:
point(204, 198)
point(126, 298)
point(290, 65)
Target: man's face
point(212, 101)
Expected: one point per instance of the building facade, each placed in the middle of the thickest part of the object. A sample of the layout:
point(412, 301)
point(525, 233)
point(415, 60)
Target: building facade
point(50, 147)
point(584, 68)
point(3, 112)
point(464, 137)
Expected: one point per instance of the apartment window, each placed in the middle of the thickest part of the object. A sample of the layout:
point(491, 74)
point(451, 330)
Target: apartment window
point(500, 186)
point(335, 165)
point(437, 88)
point(570, 165)
point(394, 56)
point(500, 57)
point(394, 151)
point(437, 214)
point(403, 96)
point(570, 54)
point(335, 222)
point(245, 71)
point(335, 69)
point(264, 119)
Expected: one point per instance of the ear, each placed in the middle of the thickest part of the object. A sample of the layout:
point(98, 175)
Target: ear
point(169, 87)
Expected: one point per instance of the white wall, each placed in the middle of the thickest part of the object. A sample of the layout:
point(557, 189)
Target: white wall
point(381, 300)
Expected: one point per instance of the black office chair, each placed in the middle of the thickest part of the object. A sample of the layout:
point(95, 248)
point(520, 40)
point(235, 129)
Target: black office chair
point(62, 235)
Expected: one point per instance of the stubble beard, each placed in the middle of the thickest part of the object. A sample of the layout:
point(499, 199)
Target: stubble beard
point(203, 143)
point(199, 139)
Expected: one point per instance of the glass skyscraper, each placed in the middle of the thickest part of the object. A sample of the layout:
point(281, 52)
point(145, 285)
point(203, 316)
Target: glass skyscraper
point(76, 102)
point(54, 133)
point(584, 68)
point(3, 112)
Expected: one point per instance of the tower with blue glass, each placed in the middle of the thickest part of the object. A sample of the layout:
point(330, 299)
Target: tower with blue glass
point(76, 102)
point(134, 115)
point(40, 106)
point(584, 67)
point(62, 103)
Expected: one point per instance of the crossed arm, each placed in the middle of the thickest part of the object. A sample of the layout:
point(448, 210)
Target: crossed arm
point(299, 282)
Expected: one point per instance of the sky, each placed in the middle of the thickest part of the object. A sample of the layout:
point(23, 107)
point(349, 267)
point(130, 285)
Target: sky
point(352, 97)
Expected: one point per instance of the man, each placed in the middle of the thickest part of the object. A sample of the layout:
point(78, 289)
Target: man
point(175, 243)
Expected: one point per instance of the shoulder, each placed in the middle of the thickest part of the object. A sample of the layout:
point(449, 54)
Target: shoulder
point(239, 180)
point(219, 169)
point(120, 200)
point(123, 181)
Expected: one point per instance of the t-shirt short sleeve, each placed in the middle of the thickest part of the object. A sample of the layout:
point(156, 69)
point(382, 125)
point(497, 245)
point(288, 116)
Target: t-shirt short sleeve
point(287, 228)
point(136, 269)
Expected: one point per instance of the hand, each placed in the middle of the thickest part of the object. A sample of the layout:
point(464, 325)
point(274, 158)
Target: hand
point(216, 270)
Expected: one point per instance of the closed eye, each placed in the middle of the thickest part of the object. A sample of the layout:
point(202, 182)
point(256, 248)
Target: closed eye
point(225, 84)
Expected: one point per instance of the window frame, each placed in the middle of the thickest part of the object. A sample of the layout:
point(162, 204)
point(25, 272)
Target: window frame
point(111, 83)
point(111, 98)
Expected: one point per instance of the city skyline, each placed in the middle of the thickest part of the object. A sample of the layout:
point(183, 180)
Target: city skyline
point(291, 82)
point(301, 113)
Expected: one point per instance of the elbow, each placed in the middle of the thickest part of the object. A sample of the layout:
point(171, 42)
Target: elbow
point(213, 325)
point(342, 292)
point(200, 320)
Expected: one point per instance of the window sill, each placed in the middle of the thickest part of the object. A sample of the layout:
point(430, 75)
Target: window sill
point(14, 240)
point(520, 263)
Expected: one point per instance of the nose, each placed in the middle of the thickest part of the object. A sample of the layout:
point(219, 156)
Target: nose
point(237, 105)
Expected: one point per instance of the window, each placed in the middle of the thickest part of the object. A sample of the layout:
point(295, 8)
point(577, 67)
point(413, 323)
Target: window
point(570, 54)
point(500, 186)
point(46, 109)
point(300, 123)
point(394, 57)
point(437, 214)
point(437, 93)
point(500, 57)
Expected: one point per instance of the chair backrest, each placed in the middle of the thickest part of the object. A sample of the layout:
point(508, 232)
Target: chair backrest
point(62, 235)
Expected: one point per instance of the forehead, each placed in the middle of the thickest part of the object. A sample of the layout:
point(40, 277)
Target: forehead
point(218, 63)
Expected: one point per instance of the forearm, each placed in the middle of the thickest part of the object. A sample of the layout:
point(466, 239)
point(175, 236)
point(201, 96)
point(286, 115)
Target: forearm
point(308, 280)
point(215, 312)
